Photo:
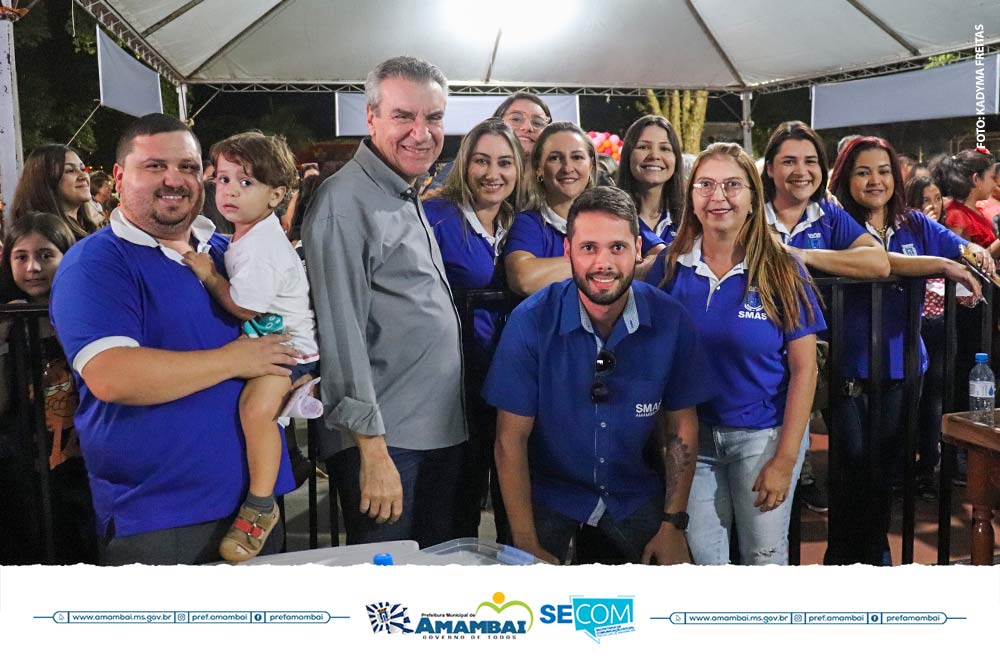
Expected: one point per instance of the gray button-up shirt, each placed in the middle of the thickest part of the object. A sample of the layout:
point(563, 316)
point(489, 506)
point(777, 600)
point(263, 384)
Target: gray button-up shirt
point(389, 333)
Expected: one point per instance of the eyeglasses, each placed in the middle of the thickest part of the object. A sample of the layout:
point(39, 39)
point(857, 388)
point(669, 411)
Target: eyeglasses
point(706, 187)
point(600, 392)
point(517, 119)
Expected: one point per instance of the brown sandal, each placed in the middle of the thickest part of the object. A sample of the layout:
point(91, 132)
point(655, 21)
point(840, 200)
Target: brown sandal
point(248, 533)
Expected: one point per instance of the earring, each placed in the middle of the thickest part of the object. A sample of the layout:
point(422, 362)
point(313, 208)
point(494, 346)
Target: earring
point(540, 179)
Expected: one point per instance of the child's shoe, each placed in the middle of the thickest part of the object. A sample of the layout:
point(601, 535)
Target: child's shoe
point(248, 533)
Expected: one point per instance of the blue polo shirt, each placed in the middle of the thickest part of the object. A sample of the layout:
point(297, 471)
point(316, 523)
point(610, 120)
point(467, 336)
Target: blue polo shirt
point(822, 226)
point(470, 261)
point(666, 234)
point(531, 233)
point(918, 235)
point(160, 466)
point(584, 456)
point(749, 352)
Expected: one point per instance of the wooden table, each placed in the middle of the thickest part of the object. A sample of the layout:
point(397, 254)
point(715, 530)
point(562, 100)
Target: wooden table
point(983, 444)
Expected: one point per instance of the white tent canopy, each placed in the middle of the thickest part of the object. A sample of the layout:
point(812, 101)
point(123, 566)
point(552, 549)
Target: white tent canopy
point(583, 45)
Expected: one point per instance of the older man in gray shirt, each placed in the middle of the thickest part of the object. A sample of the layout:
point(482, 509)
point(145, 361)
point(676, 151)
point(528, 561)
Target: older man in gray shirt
point(389, 334)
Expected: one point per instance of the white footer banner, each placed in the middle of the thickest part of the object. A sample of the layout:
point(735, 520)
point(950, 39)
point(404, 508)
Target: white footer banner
point(160, 615)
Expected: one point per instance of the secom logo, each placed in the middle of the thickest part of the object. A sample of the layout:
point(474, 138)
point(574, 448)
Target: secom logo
point(597, 617)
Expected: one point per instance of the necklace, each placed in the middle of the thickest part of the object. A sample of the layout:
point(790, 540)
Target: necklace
point(883, 234)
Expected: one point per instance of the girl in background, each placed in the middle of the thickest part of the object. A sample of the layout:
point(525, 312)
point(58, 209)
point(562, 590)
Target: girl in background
point(34, 245)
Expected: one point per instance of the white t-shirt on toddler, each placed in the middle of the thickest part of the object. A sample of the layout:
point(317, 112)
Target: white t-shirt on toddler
point(266, 275)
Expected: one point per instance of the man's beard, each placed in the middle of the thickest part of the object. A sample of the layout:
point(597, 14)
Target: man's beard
point(606, 297)
point(197, 201)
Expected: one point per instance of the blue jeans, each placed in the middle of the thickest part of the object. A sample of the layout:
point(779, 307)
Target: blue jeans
point(629, 535)
point(729, 460)
point(433, 495)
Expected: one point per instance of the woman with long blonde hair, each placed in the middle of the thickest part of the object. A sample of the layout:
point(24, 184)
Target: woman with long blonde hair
point(757, 313)
point(470, 221)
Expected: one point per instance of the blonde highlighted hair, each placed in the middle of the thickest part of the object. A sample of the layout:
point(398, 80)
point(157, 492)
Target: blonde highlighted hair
point(456, 186)
point(783, 286)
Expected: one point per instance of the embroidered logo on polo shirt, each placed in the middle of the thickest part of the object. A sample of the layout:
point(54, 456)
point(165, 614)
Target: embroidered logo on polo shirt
point(646, 409)
point(752, 306)
point(909, 249)
point(815, 240)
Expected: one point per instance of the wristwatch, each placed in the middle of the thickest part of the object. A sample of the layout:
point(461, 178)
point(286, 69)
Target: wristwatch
point(678, 520)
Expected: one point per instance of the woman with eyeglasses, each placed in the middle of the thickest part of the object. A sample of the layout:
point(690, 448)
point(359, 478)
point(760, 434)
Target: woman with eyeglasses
point(55, 180)
point(564, 165)
point(756, 309)
point(470, 222)
point(527, 115)
point(867, 180)
point(652, 171)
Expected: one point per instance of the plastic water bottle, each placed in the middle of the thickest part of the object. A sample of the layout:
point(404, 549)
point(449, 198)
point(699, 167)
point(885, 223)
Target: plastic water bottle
point(981, 391)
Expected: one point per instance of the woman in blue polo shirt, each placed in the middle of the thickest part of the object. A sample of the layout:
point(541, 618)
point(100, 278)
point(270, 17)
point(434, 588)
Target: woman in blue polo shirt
point(757, 313)
point(564, 165)
point(652, 172)
point(821, 234)
point(864, 180)
point(470, 221)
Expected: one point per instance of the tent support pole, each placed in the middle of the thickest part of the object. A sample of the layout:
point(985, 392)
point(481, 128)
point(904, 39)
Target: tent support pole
point(182, 102)
point(11, 158)
point(746, 122)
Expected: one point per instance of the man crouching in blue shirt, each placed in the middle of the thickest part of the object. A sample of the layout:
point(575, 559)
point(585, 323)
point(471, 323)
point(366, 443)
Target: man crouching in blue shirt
point(587, 370)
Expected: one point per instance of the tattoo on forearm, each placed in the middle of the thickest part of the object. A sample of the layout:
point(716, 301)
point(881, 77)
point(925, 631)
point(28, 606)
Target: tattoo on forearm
point(678, 456)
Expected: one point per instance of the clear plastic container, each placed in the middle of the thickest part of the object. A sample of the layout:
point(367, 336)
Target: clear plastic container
point(472, 551)
point(357, 554)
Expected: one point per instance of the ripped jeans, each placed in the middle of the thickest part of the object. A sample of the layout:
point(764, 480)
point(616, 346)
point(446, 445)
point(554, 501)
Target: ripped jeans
point(729, 460)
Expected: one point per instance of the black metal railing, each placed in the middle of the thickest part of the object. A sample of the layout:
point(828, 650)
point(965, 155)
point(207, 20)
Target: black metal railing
point(26, 420)
point(503, 302)
point(30, 429)
point(914, 288)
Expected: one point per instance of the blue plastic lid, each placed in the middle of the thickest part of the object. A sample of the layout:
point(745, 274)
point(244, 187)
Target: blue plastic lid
point(382, 559)
point(982, 357)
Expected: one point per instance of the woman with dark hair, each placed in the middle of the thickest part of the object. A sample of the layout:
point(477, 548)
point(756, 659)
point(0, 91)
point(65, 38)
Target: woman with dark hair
point(867, 180)
point(652, 173)
point(55, 180)
point(990, 207)
point(819, 233)
point(470, 221)
point(967, 178)
point(756, 309)
point(33, 248)
point(563, 165)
